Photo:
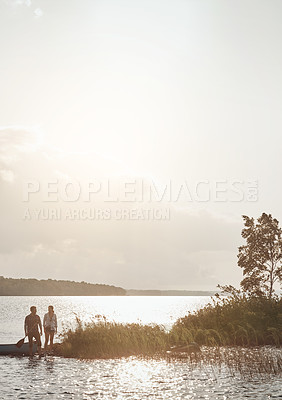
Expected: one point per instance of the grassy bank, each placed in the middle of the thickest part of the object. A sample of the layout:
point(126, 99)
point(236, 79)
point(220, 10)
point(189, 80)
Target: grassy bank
point(102, 339)
point(234, 321)
point(227, 321)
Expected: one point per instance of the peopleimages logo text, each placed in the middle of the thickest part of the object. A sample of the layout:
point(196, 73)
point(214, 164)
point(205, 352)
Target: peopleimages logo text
point(139, 190)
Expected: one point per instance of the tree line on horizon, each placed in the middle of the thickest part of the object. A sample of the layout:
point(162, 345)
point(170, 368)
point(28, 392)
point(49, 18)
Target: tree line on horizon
point(260, 259)
point(51, 287)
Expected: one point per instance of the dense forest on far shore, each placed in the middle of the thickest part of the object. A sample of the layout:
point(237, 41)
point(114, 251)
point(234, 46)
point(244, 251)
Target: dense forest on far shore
point(50, 287)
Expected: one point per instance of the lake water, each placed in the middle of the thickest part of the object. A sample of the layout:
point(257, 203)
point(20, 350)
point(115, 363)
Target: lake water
point(143, 309)
point(126, 378)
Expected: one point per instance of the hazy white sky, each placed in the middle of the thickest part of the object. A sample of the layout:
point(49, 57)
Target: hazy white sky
point(154, 90)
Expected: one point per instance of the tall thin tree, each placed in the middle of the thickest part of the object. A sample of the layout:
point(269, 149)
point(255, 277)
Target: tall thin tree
point(261, 256)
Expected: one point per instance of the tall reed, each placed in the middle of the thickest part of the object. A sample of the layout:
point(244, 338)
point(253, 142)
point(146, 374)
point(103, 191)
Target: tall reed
point(103, 339)
point(237, 320)
point(227, 321)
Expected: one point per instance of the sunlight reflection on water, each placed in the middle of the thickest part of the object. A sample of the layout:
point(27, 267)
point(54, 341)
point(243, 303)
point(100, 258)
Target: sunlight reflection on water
point(130, 378)
point(127, 378)
point(143, 309)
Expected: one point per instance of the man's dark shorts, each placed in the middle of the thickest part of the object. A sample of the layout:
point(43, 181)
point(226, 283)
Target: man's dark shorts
point(36, 336)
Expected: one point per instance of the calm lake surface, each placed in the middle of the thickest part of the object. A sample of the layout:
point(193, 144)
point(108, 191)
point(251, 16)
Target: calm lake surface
point(143, 309)
point(127, 378)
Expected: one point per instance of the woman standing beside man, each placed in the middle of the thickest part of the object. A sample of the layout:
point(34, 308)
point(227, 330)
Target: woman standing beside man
point(50, 327)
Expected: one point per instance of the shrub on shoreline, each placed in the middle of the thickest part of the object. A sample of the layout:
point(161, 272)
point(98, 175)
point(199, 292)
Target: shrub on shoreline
point(238, 320)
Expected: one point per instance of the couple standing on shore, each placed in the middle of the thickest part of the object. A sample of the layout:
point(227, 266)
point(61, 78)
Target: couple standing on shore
point(32, 325)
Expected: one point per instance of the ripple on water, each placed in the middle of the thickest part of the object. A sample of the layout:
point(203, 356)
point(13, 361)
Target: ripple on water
point(131, 378)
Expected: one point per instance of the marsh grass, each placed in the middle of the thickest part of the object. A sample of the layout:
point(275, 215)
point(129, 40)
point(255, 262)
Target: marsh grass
point(248, 362)
point(242, 334)
point(232, 321)
point(103, 339)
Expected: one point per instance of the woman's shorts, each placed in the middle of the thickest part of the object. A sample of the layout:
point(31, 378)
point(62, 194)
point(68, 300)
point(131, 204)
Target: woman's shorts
point(48, 329)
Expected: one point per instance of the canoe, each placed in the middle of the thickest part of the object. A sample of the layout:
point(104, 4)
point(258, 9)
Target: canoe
point(12, 349)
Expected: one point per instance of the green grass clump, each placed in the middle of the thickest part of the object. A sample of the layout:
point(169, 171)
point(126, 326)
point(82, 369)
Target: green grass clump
point(237, 320)
point(103, 339)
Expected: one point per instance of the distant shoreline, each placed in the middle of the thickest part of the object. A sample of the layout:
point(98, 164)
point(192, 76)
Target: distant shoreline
point(51, 287)
point(135, 292)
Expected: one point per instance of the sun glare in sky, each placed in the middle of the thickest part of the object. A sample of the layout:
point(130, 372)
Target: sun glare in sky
point(159, 108)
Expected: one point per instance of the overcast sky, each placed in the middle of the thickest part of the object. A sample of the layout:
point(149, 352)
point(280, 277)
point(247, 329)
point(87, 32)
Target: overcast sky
point(153, 91)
